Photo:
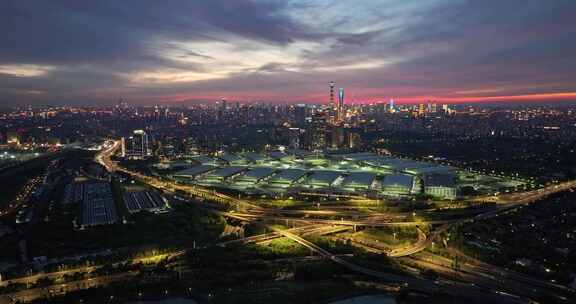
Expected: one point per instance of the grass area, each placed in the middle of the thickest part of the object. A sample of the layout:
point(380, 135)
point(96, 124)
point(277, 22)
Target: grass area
point(333, 246)
point(181, 228)
point(280, 247)
point(283, 203)
point(392, 237)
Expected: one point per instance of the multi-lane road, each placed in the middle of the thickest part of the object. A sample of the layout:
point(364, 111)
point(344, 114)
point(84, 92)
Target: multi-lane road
point(493, 278)
point(249, 212)
point(321, 222)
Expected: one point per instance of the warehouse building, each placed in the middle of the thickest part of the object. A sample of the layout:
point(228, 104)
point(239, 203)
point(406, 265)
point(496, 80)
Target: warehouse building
point(255, 158)
point(221, 175)
point(287, 178)
point(145, 201)
point(397, 185)
point(254, 176)
point(203, 160)
point(322, 179)
point(442, 186)
point(358, 181)
point(231, 160)
point(435, 169)
point(193, 173)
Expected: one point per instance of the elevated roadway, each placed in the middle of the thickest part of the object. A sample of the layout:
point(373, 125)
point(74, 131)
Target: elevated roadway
point(251, 213)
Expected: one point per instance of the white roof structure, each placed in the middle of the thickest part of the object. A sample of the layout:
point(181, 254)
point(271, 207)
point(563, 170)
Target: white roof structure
point(194, 171)
point(287, 176)
point(323, 178)
point(254, 175)
point(359, 180)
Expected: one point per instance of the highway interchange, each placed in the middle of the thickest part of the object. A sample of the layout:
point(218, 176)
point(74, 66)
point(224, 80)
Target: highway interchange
point(480, 279)
point(518, 288)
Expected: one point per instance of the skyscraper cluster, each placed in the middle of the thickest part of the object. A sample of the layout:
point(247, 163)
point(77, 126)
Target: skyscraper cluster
point(336, 111)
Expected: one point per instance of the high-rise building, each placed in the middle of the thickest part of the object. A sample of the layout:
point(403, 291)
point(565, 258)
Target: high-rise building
point(341, 98)
point(294, 138)
point(340, 109)
point(317, 132)
point(136, 146)
point(223, 105)
point(332, 107)
point(337, 137)
point(300, 114)
point(332, 84)
point(354, 140)
point(380, 108)
point(391, 108)
point(434, 108)
point(421, 109)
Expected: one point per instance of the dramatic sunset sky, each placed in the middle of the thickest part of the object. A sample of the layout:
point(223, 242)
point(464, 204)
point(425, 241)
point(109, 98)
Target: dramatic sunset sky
point(178, 51)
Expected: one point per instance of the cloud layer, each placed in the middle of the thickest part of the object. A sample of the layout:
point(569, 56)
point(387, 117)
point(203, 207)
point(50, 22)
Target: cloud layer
point(147, 51)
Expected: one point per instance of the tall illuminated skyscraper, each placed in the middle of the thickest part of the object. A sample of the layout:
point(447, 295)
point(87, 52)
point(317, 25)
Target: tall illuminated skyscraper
point(317, 131)
point(332, 84)
point(136, 146)
point(340, 109)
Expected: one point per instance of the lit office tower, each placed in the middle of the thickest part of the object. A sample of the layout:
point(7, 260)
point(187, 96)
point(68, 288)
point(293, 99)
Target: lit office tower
point(316, 133)
point(421, 109)
point(337, 137)
point(340, 110)
point(136, 146)
point(222, 110)
point(332, 84)
point(300, 114)
point(391, 109)
point(434, 108)
point(223, 105)
point(341, 98)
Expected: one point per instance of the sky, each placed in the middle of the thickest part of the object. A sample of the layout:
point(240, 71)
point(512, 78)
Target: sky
point(70, 52)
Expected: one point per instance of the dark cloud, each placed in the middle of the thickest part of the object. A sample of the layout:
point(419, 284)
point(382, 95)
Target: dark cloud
point(94, 48)
point(78, 31)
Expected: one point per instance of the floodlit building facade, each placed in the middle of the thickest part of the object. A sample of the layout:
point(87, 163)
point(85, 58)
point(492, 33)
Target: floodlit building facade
point(441, 186)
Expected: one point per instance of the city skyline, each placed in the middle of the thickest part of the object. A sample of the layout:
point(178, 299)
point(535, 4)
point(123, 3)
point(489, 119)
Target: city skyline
point(276, 51)
point(287, 151)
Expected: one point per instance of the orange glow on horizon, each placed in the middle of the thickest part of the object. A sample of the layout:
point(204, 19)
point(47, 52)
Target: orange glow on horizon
point(243, 97)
